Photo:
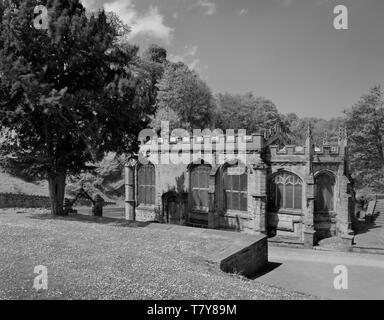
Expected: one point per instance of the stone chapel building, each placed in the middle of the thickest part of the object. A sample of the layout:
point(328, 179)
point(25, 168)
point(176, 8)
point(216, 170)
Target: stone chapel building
point(298, 194)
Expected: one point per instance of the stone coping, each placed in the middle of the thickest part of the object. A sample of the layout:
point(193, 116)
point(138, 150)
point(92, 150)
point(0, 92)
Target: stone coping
point(240, 253)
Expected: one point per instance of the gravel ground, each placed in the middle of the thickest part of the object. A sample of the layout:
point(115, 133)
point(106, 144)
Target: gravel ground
point(90, 258)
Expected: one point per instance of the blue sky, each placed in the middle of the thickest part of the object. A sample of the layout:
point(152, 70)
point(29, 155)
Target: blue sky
point(285, 50)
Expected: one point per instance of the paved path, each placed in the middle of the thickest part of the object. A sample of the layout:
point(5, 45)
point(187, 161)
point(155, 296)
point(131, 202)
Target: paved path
point(370, 235)
point(311, 271)
point(108, 211)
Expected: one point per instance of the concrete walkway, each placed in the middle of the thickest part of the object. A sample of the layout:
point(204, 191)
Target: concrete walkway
point(370, 235)
point(311, 271)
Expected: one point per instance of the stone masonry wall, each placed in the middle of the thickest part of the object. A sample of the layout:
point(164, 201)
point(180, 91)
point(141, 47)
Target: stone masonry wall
point(13, 200)
point(262, 163)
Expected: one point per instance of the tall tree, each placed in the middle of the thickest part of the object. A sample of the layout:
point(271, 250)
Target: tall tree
point(183, 97)
point(245, 111)
point(320, 128)
point(156, 54)
point(68, 94)
point(365, 123)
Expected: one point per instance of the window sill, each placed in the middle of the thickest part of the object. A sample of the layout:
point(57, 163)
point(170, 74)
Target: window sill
point(289, 212)
point(237, 213)
point(199, 211)
point(146, 207)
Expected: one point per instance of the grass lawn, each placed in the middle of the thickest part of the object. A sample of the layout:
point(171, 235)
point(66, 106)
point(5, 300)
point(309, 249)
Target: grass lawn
point(111, 259)
point(16, 185)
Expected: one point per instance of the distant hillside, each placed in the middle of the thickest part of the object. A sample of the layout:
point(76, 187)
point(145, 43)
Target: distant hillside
point(15, 185)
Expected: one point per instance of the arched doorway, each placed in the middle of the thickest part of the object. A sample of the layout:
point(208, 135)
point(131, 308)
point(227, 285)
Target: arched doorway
point(324, 204)
point(199, 197)
point(174, 208)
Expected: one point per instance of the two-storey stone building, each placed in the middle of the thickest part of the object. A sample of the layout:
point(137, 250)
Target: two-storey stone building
point(294, 193)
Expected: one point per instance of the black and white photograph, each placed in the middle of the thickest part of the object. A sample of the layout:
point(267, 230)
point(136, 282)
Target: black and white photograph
point(195, 156)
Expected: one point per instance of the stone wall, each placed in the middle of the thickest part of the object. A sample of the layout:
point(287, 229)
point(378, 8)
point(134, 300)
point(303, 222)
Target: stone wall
point(13, 200)
point(176, 178)
point(263, 161)
point(249, 261)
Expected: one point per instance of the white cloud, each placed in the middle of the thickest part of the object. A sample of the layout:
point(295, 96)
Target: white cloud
point(175, 15)
point(194, 64)
point(242, 12)
point(150, 23)
point(92, 4)
point(208, 6)
point(285, 2)
point(188, 52)
point(188, 56)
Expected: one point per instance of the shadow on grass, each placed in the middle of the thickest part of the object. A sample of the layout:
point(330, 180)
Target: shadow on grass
point(270, 267)
point(91, 219)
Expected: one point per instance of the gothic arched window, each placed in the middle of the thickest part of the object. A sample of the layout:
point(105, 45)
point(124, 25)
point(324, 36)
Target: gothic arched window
point(235, 191)
point(146, 184)
point(200, 187)
point(286, 192)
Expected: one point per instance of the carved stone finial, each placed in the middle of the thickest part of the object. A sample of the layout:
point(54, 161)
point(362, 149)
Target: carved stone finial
point(132, 162)
point(342, 133)
point(325, 138)
point(309, 130)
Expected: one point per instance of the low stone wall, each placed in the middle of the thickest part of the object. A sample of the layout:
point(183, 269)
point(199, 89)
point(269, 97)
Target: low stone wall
point(247, 261)
point(14, 200)
point(232, 252)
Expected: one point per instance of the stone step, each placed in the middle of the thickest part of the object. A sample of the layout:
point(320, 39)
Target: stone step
point(379, 219)
point(379, 206)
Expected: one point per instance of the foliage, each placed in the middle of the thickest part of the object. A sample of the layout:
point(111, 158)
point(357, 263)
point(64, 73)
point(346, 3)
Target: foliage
point(320, 127)
point(67, 94)
point(365, 124)
point(246, 111)
point(156, 54)
point(185, 98)
point(106, 178)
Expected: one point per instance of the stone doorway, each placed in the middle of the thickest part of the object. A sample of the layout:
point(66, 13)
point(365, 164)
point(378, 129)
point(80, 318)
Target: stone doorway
point(324, 217)
point(175, 208)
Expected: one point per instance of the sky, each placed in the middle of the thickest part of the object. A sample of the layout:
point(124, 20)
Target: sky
point(284, 50)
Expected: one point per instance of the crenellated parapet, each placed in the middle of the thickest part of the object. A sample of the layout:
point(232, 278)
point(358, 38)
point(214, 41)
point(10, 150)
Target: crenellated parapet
point(288, 154)
point(210, 140)
point(328, 153)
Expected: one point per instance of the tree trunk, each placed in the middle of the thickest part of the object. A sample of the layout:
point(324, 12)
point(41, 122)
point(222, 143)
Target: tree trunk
point(56, 184)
